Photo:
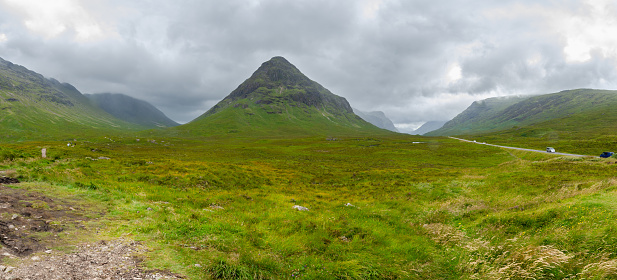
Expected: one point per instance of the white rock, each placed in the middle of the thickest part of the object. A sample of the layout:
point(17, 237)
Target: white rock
point(349, 205)
point(35, 258)
point(300, 208)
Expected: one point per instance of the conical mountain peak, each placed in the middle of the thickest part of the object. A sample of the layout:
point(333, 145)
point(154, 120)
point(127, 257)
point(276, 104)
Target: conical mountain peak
point(278, 79)
point(279, 98)
point(273, 73)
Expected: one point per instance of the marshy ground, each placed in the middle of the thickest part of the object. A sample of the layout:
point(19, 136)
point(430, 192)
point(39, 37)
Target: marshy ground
point(378, 208)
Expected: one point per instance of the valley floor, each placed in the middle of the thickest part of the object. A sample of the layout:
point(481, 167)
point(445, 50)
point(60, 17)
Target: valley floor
point(403, 207)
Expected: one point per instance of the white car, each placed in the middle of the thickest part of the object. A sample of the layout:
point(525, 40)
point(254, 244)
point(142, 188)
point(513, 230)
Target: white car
point(550, 150)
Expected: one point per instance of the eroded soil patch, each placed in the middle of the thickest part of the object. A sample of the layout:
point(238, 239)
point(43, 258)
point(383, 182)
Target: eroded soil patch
point(102, 260)
point(30, 221)
point(31, 224)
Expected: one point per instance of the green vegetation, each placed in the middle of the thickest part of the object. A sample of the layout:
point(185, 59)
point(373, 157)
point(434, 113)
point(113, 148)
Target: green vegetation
point(131, 110)
point(33, 107)
point(279, 101)
point(379, 208)
point(579, 121)
point(220, 192)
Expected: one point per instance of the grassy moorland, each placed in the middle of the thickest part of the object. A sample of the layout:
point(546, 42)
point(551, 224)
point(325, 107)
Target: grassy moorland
point(578, 121)
point(397, 207)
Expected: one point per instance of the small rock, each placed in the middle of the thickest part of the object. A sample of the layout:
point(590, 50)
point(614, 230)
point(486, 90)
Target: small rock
point(15, 216)
point(344, 238)
point(104, 158)
point(349, 205)
point(2, 268)
point(9, 269)
point(35, 258)
point(48, 251)
point(11, 226)
point(300, 208)
point(197, 265)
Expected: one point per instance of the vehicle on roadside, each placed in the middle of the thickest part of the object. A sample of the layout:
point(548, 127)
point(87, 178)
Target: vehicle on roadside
point(550, 149)
point(607, 154)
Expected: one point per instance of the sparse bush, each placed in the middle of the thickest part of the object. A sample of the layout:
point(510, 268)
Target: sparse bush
point(225, 270)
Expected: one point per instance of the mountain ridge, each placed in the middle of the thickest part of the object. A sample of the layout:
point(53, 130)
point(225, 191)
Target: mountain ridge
point(572, 111)
point(428, 127)
point(35, 107)
point(377, 118)
point(278, 100)
point(131, 109)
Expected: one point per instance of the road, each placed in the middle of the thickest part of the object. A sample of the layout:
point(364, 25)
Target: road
point(520, 149)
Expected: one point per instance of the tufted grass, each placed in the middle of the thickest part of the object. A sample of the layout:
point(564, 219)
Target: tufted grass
point(379, 208)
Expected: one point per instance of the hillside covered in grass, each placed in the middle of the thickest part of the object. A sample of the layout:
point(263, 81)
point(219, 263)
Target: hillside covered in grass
point(577, 112)
point(480, 116)
point(131, 110)
point(34, 107)
point(278, 100)
point(578, 121)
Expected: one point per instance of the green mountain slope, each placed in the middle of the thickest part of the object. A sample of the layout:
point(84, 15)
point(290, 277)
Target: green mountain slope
point(33, 107)
point(481, 116)
point(580, 121)
point(278, 100)
point(131, 110)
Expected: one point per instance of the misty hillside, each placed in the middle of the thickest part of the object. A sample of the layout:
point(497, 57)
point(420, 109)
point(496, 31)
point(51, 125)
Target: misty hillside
point(33, 106)
point(131, 110)
point(428, 127)
point(377, 118)
point(480, 116)
point(567, 113)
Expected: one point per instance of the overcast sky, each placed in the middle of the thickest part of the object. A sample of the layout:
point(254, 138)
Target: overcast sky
point(415, 60)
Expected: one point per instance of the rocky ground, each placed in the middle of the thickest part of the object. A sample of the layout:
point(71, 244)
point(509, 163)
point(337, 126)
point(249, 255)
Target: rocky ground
point(102, 260)
point(31, 224)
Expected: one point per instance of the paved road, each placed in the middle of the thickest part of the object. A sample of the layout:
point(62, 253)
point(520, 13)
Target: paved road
point(521, 149)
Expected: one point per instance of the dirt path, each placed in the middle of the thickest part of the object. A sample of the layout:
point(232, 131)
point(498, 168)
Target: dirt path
point(31, 224)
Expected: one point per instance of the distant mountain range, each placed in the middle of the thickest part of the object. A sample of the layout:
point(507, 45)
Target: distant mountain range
point(377, 118)
point(278, 100)
point(428, 127)
point(568, 114)
point(131, 110)
point(32, 106)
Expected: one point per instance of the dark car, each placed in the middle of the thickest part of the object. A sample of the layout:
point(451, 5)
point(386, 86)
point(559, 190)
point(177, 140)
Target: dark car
point(607, 154)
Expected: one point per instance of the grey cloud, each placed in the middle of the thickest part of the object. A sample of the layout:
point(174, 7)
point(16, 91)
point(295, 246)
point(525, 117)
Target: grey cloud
point(184, 56)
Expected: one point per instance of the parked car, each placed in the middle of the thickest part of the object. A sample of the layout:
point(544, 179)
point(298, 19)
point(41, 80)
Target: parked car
point(607, 154)
point(550, 149)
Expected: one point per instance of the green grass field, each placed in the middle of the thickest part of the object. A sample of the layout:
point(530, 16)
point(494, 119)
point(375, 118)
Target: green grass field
point(389, 207)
